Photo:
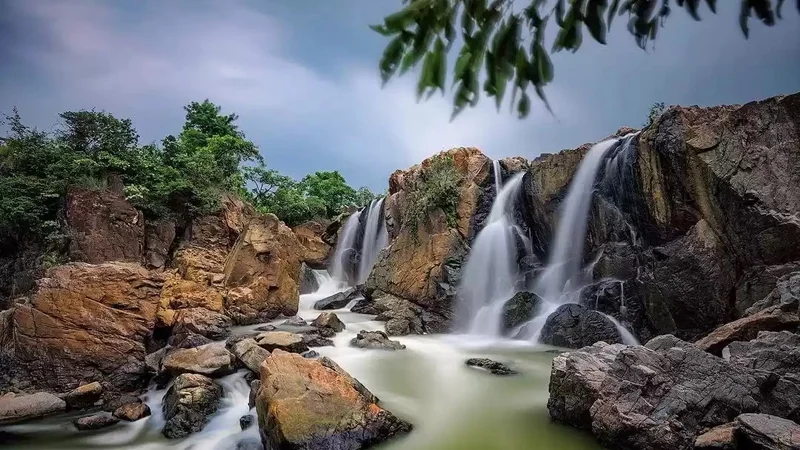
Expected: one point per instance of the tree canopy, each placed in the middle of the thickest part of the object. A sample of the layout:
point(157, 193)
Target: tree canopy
point(505, 47)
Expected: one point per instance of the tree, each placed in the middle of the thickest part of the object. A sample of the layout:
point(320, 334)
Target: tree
point(506, 48)
point(364, 196)
point(332, 189)
point(656, 109)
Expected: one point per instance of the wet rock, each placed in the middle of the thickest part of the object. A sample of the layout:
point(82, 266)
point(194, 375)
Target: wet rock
point(210, 359)
point(311, 354)
point(153, 360)
point(96, 422)
point(308, 281)
point(338, 300)
point(122, 400)
point(315, 405)
point(746, 328)
point(255, 385)
point(188, 403)
point(233, 340)
point(18, 408)
point(250, 354)
point(575, 326)
point(660, 396)
point(199, 321)
point(132, 412)
point(520, 309)
point(246, 421)
point(249, 444)
point(329, 320)
point(290, 342)
point(315, 340)
point(496, 368)
point(295, 321)
point(191, 341)
point(365, 306)
point(717, 438)
point(375, 340)
point(765, 432)
point(84, 396)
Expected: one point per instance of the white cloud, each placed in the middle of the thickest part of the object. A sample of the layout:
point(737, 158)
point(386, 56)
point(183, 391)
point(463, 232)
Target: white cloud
point(237, 57)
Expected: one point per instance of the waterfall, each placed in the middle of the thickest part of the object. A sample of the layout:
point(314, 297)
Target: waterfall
point(361, 238)
point(490, 273)
point(498, 176)
point(375, 238)
point(344, 249)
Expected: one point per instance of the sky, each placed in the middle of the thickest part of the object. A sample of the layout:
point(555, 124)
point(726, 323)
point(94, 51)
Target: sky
point(303, 78)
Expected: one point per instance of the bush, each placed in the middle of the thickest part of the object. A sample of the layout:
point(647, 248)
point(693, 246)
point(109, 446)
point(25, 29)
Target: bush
point(436, 186)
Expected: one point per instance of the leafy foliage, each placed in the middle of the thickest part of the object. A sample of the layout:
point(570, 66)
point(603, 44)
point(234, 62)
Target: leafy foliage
point(436, 186)
point(656, 110)
point(506, 48)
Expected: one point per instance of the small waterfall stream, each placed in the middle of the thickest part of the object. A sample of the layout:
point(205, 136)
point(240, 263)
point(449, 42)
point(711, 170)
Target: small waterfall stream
point(361, 238)
point(375, 239)
point(344, 248)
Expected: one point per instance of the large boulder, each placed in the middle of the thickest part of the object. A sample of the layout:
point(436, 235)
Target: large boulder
point(199, 321)
point(158, 238)
point(103, 226)
point(262, 272)
point(338, 300)
point(18, 408)
point(84, 396)
point(575, 326)
point(282, 340)
point(188, 403)
point(776, 352)
point(765, 432)
point(85, 322)
point(747, 328)
point(315, 405)
point(308, 281)
point(315, 249)
point(423, 262)
point(250, 354)
point(663, 395)
point(210, 360)
point(519, 309)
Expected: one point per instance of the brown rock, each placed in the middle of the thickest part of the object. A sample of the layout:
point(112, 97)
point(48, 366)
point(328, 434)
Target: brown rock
point(132, 412)
point(210, 359)
point(282, 340)
point(315, 405)
point(96, 422)
point(328, 320)
point(263, 272)
point(87, 322)
point(250, 354)
point(765, 432)
point(717, 438)
point(158, 240)
point(84, 396)
point(18, 408)
point(210, 324)
point(315, 250)
point(103, 227)
point(188, 403)
point(181, 294)
point(747, 328)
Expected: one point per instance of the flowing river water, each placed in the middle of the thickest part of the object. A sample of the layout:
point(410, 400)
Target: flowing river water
point(451, 405)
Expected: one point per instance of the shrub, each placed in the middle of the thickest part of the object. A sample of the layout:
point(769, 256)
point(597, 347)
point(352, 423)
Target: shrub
point(436, 186)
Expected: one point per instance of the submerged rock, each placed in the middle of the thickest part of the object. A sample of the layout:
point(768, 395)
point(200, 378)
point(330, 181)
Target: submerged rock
point(375, 340)
point(282, 340)
point(575, 326)
point(18, 408)
point(96, 422)
point(329, 320)
point(315, 340)
point(315, 405)
point(519, 309)
point(132, 412)
point(210, 359)
point(496, 368)
point(188, 403)
point(311, 354)
point(295, 321)
point(246, 421)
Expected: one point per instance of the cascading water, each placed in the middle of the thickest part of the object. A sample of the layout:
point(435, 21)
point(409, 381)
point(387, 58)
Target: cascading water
point(491, 273)
point(344, 248)
point(375, 238)
point(498, 176)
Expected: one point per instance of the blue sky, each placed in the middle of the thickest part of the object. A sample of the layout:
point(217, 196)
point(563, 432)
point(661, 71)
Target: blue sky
point(302, 76)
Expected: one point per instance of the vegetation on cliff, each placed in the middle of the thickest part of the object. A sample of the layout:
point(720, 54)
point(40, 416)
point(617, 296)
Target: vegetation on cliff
point(436, 187)
point(182, 177)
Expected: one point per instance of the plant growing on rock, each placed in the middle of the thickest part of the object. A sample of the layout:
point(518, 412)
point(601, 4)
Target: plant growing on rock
point(435, 186)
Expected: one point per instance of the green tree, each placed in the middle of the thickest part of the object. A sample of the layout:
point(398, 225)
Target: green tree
point(364, 196)
point(506, 48)
point(656, 110)
point(332, 189)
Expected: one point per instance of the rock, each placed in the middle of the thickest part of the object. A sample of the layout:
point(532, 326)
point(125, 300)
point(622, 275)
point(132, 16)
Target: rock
point(85, 322)
point(84, 396)
point(262, 272)
point(365, 306)
point(765, 432)
point(375, 340)
point(786, 295)
point(250, 354)
point(249, 444)
point(315, 249)
point(520, 309)
point(95, 422)
point(153, 360)
point(103, 227)
point(290, 342)
point(315, 340)
point(761, 285)
point(158, 238)
point(746, 328)
point(315, 405)
point(308, 281)
point(122, 400)
point(295, 321)
point(132, 412)
point(199, 321)
point(338, 300)
point(188, 403)
point(191, 341)
point(255, 385)
point(776, 352)
point(311, 354)
point(660, 396)
point(496, 368)
point(328, 320)
point(717, 438)
point(402, 317)
point(211, 359)
point(200, 298)
point(235, 339)
point(18, 408)
point(575, 326)
point(246, 421)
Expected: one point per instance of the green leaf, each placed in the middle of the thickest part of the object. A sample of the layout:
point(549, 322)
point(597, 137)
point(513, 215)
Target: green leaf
point(543, 64)
point(594, 19)
point(712, 5)
point(524, 106)
point(400, 20)
point(391, 56)
point(540, 93)
point(467, 23)
point(691, 6)
point(560, 13)
point(744, 16)
point(381, 29)
point(500, 83)
point(440, 64)
point(462, 64)
point(426, 78)
point(779, 6)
